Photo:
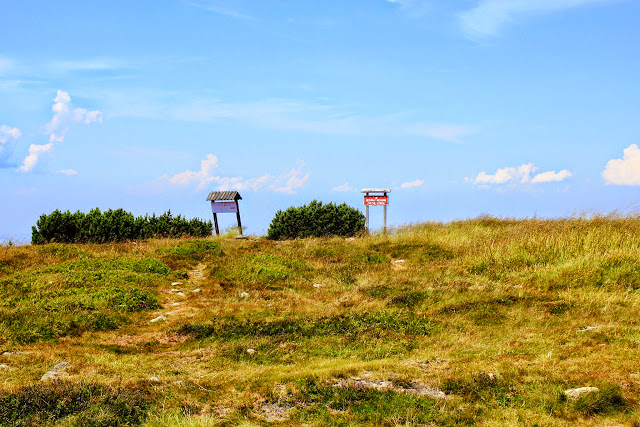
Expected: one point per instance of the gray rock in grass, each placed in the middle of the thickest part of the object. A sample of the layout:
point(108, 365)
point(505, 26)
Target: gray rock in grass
point(575, 393)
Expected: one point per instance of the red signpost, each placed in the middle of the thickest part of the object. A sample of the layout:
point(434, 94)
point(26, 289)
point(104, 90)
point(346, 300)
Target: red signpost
point(376, 200)
point(382, 200)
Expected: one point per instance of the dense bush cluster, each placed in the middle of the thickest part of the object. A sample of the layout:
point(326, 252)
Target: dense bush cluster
point(84, 403)
point(316, 220)
point(113, 226)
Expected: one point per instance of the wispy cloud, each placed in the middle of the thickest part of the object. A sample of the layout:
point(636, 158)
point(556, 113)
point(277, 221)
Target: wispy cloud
point(625, 171)
point(8, 136)
point(277, 114)
point(57, 128)
point(519, 175)
point(67, 172)
point(346, 187)
point(443, 132)
point(220, 7)
point(413, 8)
point(208, 176)
point(8, 133)
point(411, 184)
point(87, 64)
point(489, 17)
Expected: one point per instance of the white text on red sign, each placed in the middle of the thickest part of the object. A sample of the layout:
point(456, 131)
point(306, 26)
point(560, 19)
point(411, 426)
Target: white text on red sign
point(376, 200)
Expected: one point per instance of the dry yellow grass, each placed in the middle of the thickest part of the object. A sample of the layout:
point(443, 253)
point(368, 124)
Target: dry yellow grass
point(502, 315)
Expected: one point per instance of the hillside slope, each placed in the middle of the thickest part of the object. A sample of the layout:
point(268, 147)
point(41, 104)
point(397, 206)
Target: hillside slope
point(481, 321)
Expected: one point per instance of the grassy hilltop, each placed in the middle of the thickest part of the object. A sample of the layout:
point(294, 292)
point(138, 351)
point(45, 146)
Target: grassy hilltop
point(482, 321)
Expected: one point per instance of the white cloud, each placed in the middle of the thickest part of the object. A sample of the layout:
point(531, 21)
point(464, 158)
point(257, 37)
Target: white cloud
point(35, 151)
point(219, 7)
point(489, 17)
point(444, 132)
point(285, 183)
point(67, 172)
point(63, 117)
point(551, 176)
point(7, 133)
point(625, 171)
point(343, 188)
point(294, 179)
point(519, 175)
point(412, 184)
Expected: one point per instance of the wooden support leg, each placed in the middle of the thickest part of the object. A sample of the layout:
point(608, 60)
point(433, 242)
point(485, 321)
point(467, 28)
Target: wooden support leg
point(215, 222)
point(238, 215)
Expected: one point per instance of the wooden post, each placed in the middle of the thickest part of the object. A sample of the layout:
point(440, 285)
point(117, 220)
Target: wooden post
point(367, 219)
point(238, 215)
point(384, 229)
point(215, 221)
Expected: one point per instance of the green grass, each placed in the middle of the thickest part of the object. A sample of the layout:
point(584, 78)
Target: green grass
point(501, 315)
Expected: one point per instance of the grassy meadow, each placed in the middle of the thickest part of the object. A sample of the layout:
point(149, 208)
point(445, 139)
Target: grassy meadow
point(477, 322)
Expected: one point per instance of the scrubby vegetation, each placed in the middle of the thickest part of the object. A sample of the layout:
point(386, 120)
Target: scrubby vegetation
point(486, 321)
point(316, 220)
point(113, 226)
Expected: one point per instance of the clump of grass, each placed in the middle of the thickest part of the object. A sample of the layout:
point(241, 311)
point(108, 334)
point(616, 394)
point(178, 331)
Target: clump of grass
point(76, 296)
point(608, 399)
point(482, 387)
point(262, 268)
point(186, 252)
point(325, 403)
point(354, 324)
point(84, 403)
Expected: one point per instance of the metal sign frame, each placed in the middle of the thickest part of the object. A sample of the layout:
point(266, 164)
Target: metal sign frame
point(376, 200)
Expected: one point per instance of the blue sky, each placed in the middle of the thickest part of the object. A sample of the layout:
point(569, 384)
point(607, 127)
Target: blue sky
point(465, 107)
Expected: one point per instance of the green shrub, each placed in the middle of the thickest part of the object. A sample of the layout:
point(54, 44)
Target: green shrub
point(316, 220)
point(112, 226)
point(84, 403)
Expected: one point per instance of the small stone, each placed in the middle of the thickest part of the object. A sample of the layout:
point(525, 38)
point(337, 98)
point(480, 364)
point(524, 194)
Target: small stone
point(154, 379)
point(180, 294)
point(575, 393)
point(3, 366)
point(55, 372)
point(176, 284)
point(158, 319)
point(195, 291)
point(399, 261)
point(244, 295)
point(176, 303)
point(250, 351)
point(317, 285)
point(175, 290)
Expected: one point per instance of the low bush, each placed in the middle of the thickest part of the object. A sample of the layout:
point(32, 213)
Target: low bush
point(316, 220)
point(113, 226)
point(87, 404)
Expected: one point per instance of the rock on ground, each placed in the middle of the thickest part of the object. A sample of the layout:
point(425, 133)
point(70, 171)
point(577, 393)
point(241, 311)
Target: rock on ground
point(575, 393)
point(56, 372)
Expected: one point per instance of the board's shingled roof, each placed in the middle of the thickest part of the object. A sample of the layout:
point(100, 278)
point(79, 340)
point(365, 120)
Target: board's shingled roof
point(223, 195)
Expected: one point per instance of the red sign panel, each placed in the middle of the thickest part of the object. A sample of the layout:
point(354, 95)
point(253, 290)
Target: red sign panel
point(224, 207)
point(376, 200)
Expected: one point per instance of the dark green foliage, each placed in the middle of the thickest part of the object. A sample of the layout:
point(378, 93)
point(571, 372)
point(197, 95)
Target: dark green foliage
point(353, 405)
point(316, 220)
point(608, 399)
point(375, 324)
point(487, 388)
point(86, 404)
point(112, 226)
point(76, 296)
